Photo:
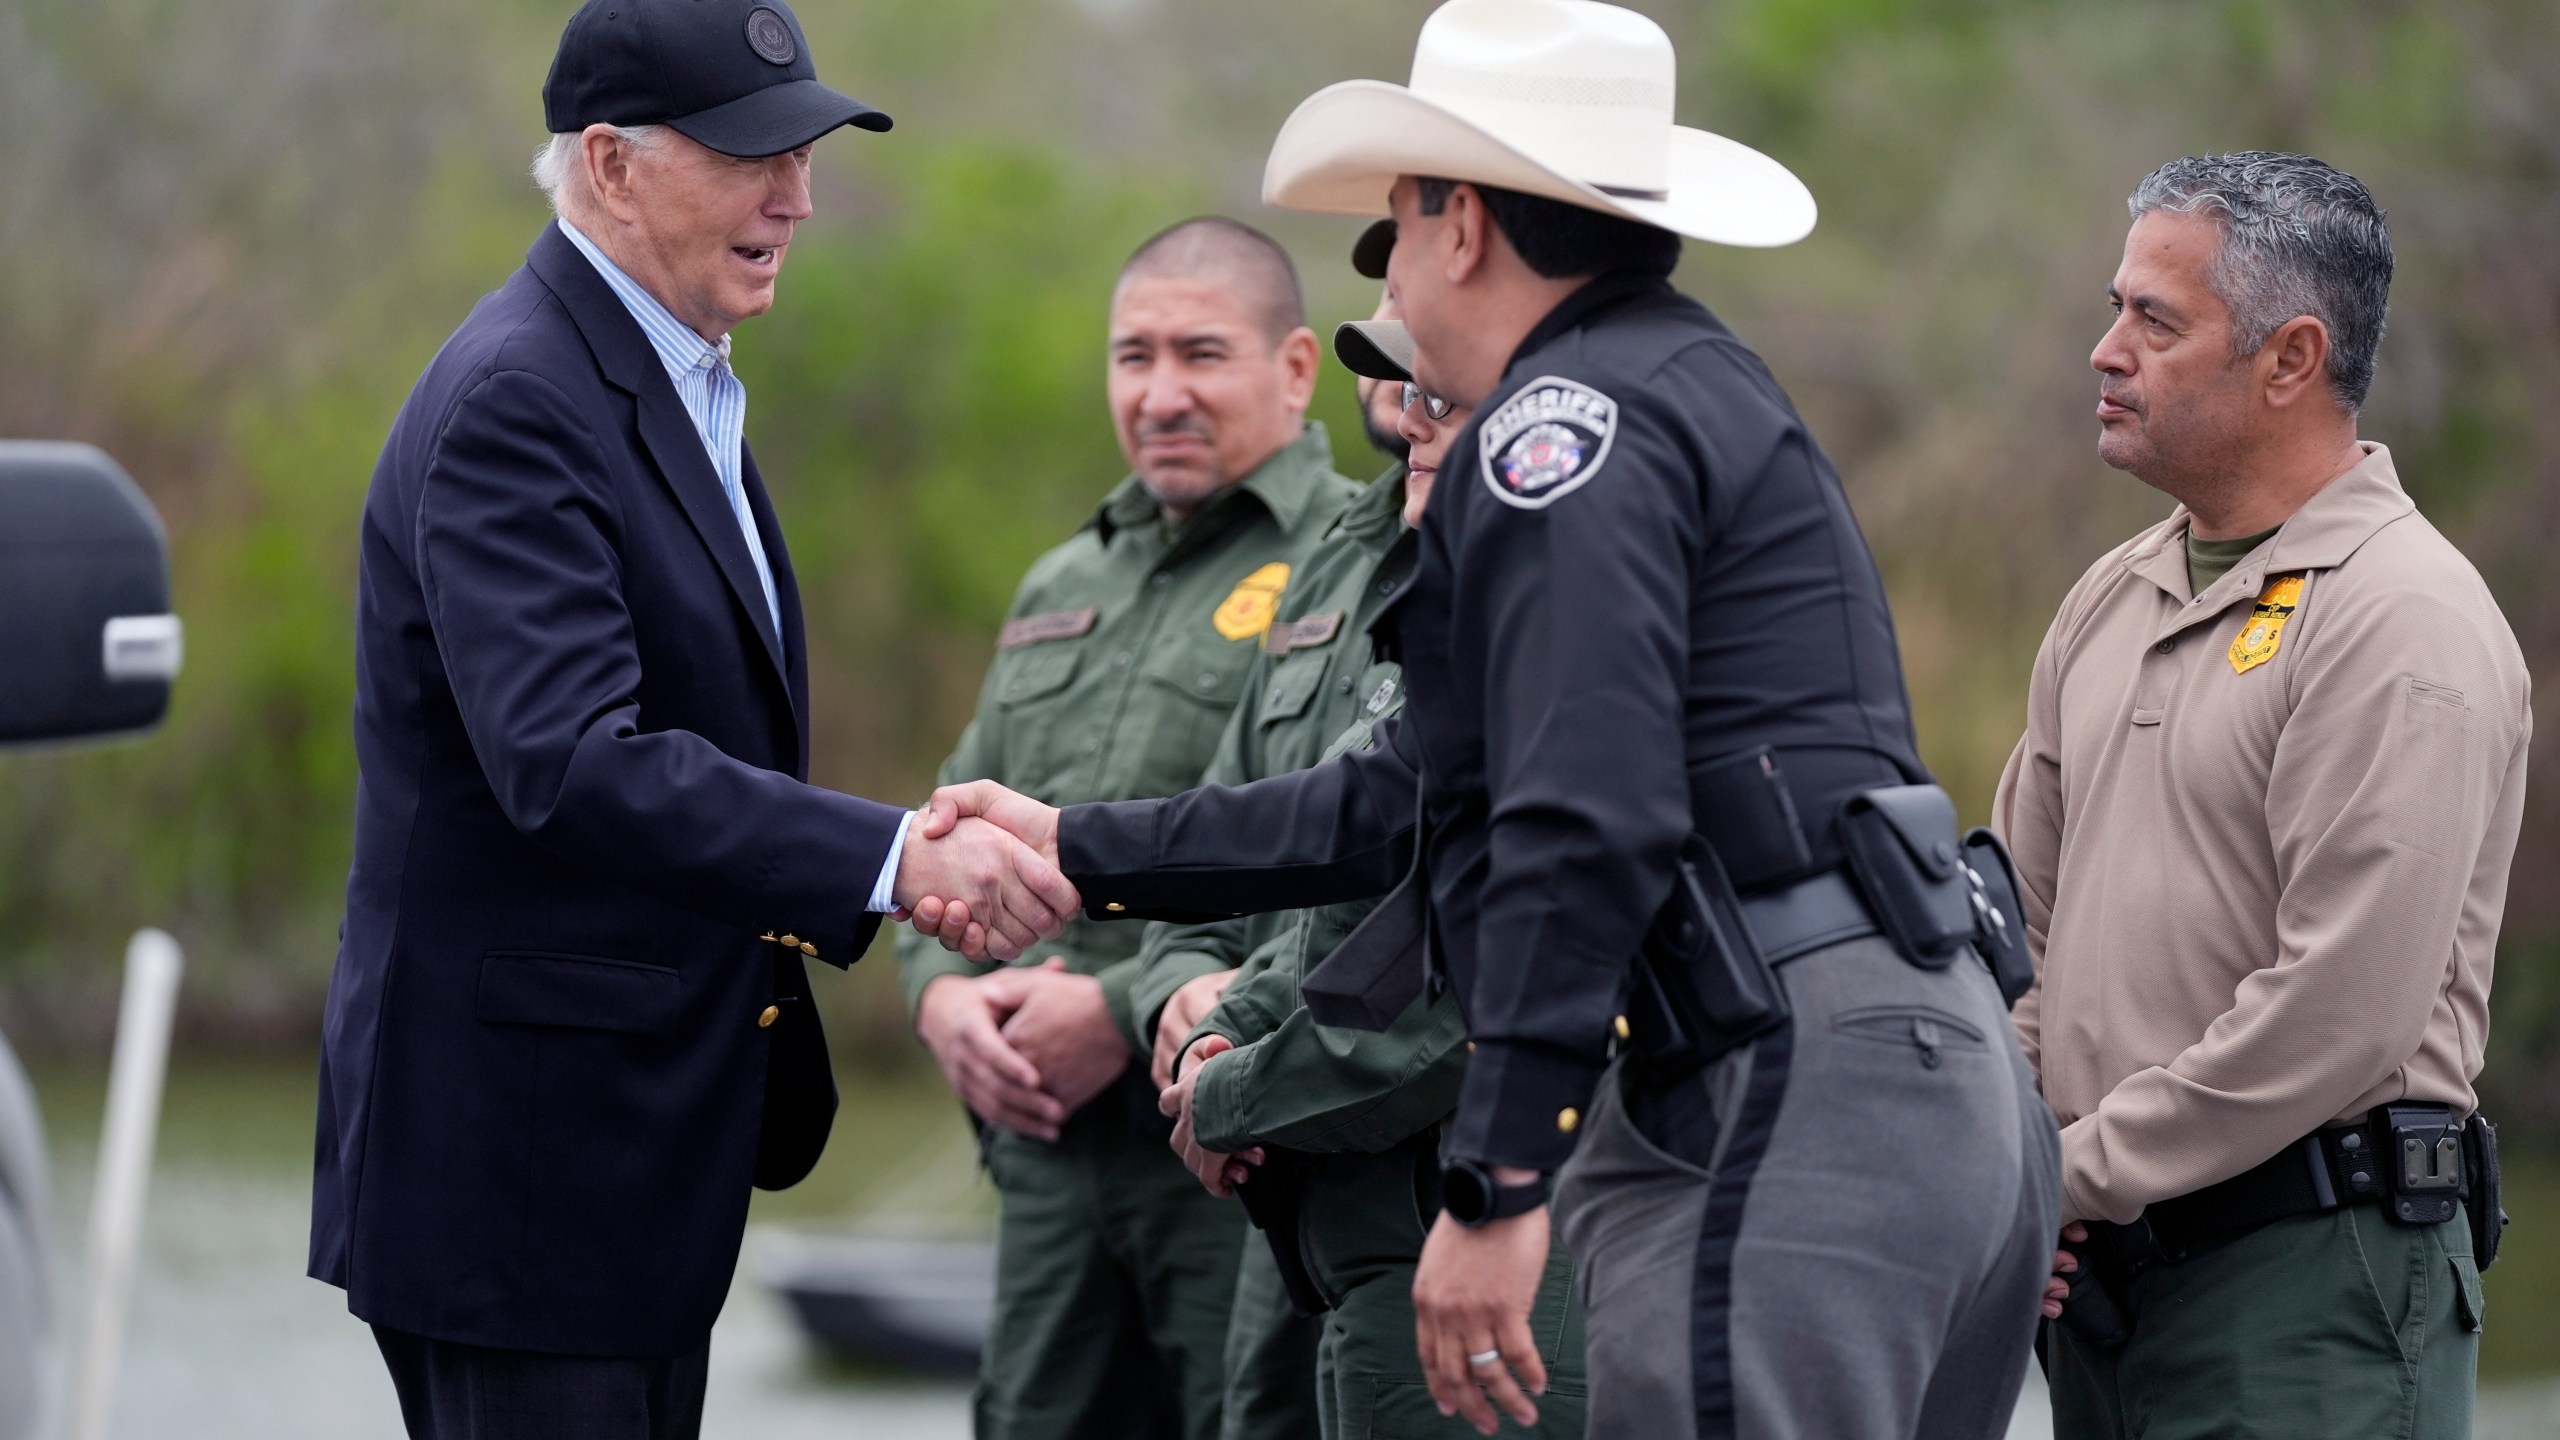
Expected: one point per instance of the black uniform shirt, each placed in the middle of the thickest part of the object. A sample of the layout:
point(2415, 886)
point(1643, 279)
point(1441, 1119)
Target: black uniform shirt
point(1636, 563)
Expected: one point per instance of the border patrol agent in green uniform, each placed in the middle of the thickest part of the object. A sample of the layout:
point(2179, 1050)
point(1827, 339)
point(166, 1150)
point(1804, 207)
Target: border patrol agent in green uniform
point(1124, 653)
point(1348, 1122)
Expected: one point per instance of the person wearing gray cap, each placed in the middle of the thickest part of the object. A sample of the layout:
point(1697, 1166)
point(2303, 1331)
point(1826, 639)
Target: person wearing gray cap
point(569, 1024)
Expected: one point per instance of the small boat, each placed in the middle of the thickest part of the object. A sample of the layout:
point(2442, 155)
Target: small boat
point(918, 1306)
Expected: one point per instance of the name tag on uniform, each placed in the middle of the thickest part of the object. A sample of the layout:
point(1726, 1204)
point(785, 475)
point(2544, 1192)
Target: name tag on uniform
point(1287, 635)
point(1050, 625)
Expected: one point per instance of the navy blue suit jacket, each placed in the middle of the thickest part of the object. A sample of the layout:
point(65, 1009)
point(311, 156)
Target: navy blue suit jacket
point(545, 1089)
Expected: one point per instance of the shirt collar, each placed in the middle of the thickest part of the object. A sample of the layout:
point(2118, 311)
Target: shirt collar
point(1377, 511)
point(679, 348)
point(1285, 485)
point(2329, 528)
point(1597, 296)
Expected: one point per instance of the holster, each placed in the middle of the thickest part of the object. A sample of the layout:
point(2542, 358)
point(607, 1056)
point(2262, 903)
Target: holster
point(1377, 972)
point(1701, 986)
point(1271, 1197)
point(2481, 1198)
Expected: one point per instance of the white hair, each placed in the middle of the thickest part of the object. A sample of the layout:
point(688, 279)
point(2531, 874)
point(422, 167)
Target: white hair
point(556, 165)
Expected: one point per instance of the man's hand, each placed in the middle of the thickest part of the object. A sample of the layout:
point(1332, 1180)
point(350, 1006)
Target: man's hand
point(961, 921)
point(1219, 1174)
point(1181, 1015)
point(1064, 1029)
point(1472, 1295)
point(957, 1018)
point(2057, 1288)
point(1007, 896)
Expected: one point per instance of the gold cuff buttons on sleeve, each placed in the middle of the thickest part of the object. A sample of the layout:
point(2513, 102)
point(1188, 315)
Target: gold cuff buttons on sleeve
point(808, 949)
point(1622, 1027)
point(1567, 1119)
point(1115, 907)
point(790, 942)
point(771, 1014)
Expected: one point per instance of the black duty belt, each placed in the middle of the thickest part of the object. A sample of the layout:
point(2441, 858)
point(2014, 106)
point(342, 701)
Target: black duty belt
point(1808, 915)
point(2414, 1161)
point(2408, 1155)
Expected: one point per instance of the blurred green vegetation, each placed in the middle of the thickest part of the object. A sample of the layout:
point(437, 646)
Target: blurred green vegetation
point(232, 231)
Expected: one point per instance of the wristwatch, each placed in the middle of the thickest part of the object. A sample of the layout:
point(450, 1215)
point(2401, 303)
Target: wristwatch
point(1472, 1197)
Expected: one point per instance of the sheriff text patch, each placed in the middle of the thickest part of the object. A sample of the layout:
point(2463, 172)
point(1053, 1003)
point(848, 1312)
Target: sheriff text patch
point(1546, 442)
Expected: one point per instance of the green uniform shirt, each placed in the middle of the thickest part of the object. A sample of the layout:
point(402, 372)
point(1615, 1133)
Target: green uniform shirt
point(1320, 693)
point(1316, 677)
point(1124, 652)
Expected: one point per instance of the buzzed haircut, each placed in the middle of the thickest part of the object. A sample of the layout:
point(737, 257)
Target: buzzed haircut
point(1213, 247)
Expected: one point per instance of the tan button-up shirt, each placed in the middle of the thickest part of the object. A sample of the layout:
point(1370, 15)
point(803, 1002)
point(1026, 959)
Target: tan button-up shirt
point(2264, 835)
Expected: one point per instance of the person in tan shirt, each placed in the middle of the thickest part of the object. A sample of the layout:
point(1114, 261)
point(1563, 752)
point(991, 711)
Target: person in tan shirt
point(2262, 816)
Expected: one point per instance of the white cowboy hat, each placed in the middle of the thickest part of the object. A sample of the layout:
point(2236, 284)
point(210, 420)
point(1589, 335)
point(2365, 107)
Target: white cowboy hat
point(1570, 99)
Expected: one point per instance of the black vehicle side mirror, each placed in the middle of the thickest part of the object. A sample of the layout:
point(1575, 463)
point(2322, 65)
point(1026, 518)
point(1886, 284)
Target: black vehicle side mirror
point(87, 644)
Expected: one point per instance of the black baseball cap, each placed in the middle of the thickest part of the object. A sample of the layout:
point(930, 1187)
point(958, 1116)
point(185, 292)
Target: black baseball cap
point(1375, 349)
point(734, 75)
point(1369, 252)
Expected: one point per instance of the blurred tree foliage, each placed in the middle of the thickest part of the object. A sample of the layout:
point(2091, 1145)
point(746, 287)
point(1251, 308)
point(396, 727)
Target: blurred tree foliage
point(232, 231)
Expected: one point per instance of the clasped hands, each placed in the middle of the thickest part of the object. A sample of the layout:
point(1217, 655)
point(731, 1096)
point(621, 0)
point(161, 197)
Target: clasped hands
point(980, 872)
point(998, 891)
point(1024, 1047)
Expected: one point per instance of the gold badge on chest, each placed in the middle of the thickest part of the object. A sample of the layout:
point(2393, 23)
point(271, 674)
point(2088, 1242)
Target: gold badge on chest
point(2264, 630)
point(1247, 610)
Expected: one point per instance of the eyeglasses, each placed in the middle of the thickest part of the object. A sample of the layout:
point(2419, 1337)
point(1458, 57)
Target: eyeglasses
point(1432, 405)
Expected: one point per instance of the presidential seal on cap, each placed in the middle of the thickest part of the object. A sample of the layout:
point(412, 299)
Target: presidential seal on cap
point(734, 75)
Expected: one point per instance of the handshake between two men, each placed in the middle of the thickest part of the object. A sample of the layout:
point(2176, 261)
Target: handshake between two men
point(980, 875)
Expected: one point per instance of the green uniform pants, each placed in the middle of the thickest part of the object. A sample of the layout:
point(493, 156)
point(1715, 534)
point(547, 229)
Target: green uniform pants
point(2311, 1328)
point(1271, 1355)
point(1369, 1382)
point(1115, 1272)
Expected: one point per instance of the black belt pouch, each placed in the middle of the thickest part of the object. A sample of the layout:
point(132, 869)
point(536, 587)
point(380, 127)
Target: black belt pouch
point(1999, 920)
point(1901, 843)
point(1702, 986)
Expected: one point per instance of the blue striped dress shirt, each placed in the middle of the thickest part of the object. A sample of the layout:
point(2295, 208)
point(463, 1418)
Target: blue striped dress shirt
point(716, 400)
point(711, 393)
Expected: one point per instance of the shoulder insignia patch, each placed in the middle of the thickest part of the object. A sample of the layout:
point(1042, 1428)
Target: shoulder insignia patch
point(1050, 625)
point(2264, 629)
point(1247, 610)
point(1546, 442)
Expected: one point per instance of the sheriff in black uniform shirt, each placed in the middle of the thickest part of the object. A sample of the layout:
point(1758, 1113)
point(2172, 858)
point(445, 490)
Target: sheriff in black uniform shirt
point(1641, 566)
point(1642, 613)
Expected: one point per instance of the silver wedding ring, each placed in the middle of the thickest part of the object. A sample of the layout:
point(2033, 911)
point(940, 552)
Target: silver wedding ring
point(1486, 1360)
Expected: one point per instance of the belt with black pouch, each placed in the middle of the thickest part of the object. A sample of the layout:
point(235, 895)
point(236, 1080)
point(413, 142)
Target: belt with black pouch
point(1744, 904)
point(2415, 1161)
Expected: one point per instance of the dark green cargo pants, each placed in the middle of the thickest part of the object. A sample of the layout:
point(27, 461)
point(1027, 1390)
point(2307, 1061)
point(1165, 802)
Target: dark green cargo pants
point(2314, 1328)
point(1271, 1355)
point(1362, 1230)
point(1114, 1275)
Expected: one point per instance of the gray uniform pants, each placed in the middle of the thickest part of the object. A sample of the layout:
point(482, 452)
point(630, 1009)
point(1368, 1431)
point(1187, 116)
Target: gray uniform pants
point(1844, 1230)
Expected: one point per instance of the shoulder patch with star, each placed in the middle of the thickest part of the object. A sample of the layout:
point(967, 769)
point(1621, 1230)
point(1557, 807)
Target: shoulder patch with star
point(1546, 441)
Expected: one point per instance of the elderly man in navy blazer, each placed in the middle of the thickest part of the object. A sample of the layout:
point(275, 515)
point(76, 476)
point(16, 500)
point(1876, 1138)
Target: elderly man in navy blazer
point(569, 1025)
